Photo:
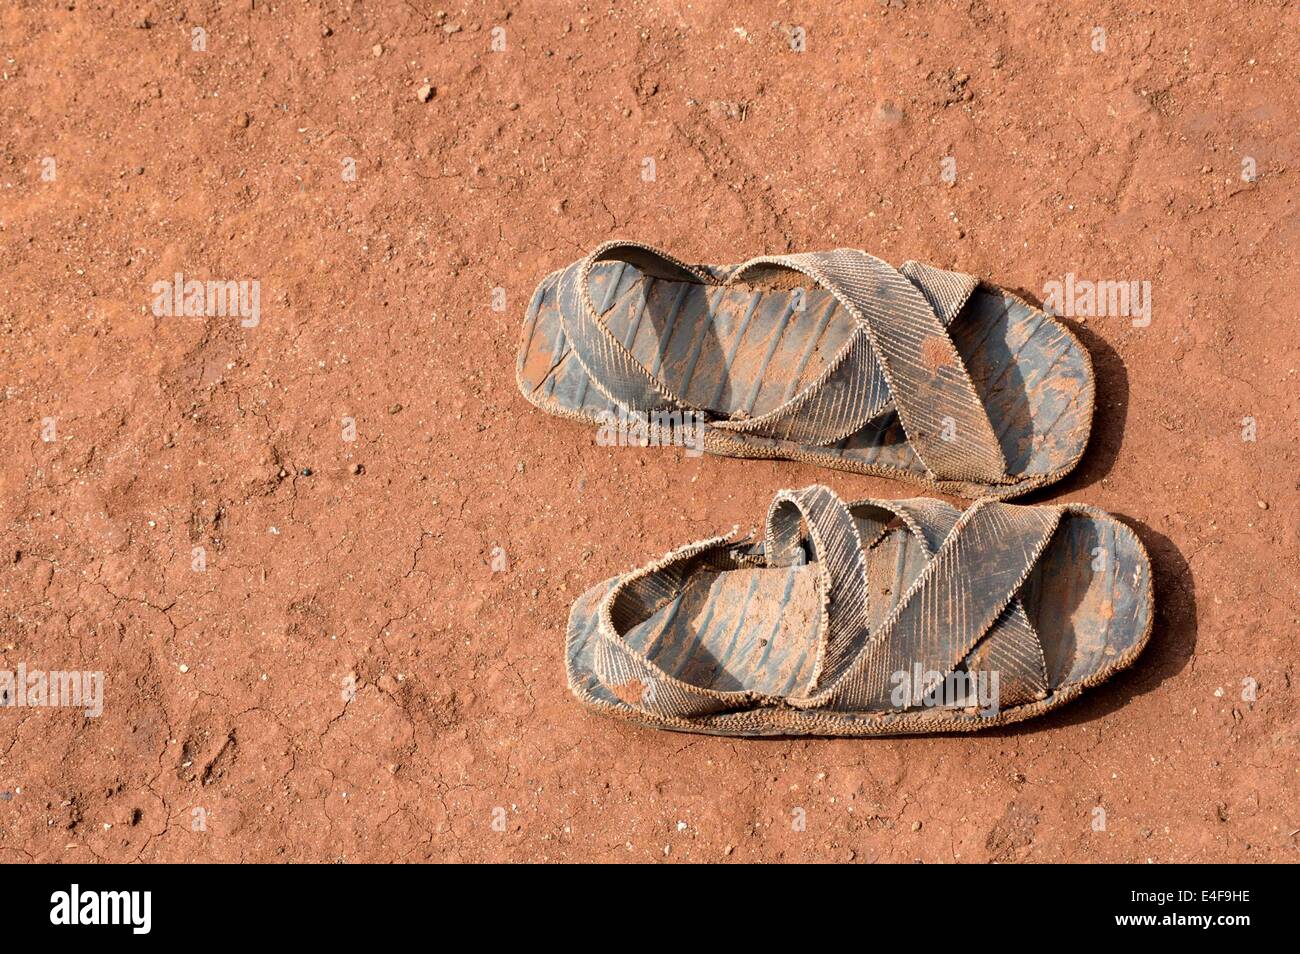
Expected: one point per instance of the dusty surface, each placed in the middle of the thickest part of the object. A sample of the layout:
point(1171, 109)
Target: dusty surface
point(226, 686)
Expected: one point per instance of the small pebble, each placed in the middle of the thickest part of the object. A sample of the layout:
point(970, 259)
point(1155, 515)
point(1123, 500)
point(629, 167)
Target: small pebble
point(377, 49)
point(305, 472)
point(425, 93)
point(1262, 504)
point(358, 468)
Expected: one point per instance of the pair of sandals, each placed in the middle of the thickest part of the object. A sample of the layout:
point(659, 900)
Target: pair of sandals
point(855, 618)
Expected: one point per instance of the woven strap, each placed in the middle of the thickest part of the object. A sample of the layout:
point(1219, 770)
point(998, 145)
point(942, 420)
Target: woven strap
point(1014, 652)
point(841, 565)
point(1012, 648)
point(899, 356)
point(947, 292)
point(627, 671)
point(953, 604)
point(610, 366)
point(639, 682)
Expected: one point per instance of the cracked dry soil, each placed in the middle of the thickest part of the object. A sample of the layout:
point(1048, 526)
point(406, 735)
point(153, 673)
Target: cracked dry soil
point(347, 678)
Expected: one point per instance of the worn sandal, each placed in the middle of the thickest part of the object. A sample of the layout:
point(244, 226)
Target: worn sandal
point(834, 358)
point(868, 618)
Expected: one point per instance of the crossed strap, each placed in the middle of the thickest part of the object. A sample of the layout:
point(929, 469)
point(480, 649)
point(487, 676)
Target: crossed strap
point(960, 612)
point(899, 356)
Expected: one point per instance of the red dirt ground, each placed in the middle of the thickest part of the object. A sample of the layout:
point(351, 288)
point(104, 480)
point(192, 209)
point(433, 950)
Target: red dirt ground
point(225, 688)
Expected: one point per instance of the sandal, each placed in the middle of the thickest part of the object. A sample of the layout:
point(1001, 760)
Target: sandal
point(868, 618)
point(834, 358)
